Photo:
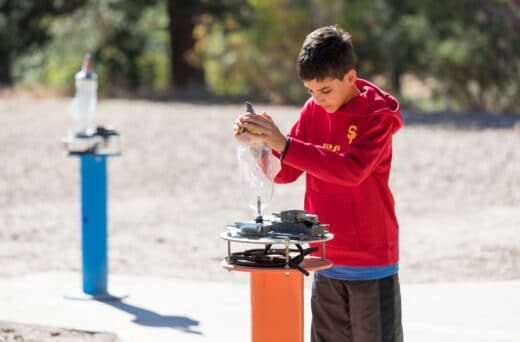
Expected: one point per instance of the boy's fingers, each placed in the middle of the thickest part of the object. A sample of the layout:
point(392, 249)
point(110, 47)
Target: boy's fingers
point(267, 116)
point(251, 127)
point(256, 125)
point(237, 128)
point(257, 120)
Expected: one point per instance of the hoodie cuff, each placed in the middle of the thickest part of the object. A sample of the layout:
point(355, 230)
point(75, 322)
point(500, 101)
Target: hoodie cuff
point(284, 151)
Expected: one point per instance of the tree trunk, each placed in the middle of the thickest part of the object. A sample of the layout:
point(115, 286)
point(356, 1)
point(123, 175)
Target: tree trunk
point(5, 68)
point(182, 15)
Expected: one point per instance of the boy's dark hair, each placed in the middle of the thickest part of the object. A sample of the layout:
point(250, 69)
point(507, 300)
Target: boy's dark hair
point(326, 52)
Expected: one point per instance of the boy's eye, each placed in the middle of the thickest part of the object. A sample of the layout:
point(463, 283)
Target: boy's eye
point(322, 91)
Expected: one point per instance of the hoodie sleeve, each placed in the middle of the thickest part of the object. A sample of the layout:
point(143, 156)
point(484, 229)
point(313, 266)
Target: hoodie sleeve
point(288, 173)
point(350, 167)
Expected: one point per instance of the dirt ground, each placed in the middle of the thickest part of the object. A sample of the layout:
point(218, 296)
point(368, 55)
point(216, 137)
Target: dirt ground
point(16, 332)
point(455, 178)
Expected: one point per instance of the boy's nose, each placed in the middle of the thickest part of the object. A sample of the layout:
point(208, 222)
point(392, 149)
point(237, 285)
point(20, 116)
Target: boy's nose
point(318, 99)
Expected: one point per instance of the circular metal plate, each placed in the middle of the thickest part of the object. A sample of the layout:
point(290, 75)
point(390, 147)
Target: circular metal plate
point(270, 240)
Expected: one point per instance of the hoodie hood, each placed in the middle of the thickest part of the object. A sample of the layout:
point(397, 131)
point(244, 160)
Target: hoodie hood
point(374, 101)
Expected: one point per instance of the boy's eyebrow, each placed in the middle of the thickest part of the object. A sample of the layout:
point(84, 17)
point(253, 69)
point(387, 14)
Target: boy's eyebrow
point(321, 89)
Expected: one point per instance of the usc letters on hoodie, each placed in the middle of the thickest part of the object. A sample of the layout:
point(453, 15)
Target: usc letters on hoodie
point(347, 156)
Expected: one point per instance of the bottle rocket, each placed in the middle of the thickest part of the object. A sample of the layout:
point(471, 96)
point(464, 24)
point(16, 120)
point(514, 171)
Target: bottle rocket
point(85, 100)
point(257, 169)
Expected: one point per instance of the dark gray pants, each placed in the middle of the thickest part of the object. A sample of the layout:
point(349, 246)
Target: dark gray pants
point(356, 311)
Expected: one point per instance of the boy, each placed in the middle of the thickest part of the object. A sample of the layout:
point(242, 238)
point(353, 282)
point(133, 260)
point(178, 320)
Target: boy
point(343, 142)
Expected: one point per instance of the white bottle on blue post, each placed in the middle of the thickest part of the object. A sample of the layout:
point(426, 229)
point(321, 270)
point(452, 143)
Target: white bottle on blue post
point(93, 145)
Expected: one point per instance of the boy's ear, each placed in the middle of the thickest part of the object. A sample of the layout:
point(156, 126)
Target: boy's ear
point(351, 75)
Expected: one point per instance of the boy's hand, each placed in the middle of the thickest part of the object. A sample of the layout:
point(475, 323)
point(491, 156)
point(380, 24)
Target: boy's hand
point(260, 126)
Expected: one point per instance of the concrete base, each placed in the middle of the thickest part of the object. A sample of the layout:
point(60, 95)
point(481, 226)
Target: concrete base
point(166, 309)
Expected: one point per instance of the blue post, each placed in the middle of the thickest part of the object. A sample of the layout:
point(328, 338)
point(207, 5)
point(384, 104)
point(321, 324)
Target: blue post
point(94, 224)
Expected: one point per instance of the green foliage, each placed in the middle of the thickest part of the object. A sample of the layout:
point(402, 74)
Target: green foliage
point(251, 51)
point(129, 43)
point(24, 27)
point(254, 53)
point(466, 52)
point(475, 55)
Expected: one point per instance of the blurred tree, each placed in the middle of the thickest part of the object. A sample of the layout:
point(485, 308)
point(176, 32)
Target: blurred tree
point(123, 42)
point(24, 26)
point(183, 15)
point(249, 48)
point(473, 52)
point(138, 46)
point(128, 40)
point(388, 36)
point(467, 50)
point(252, 49)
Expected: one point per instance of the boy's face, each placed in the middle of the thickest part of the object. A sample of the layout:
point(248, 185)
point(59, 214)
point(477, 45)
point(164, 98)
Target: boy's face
point(331, 93)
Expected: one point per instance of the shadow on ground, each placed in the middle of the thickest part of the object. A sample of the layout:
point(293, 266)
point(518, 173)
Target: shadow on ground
point(153, 319)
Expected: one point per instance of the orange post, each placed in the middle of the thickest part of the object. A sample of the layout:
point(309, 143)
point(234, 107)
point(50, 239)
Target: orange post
point(277, 300)
point(277, 306)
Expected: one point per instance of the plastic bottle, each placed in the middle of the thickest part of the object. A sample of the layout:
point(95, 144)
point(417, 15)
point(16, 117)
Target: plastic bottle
point(85, 100)
point(257, 169)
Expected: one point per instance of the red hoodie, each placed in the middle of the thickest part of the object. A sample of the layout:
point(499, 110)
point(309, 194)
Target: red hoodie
point(347, 156)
